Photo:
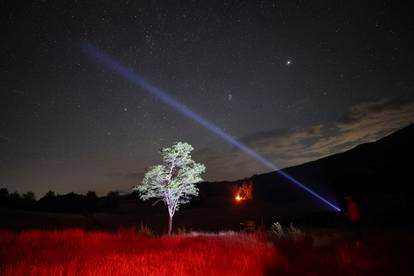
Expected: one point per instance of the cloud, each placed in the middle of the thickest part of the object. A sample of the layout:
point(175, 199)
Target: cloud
point(364, 122)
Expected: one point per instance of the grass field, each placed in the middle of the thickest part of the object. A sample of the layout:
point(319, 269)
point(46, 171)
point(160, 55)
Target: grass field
point(125, 252)
point(76, 252)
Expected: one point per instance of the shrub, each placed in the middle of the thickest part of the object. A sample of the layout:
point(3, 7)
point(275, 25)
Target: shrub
point(277, 230)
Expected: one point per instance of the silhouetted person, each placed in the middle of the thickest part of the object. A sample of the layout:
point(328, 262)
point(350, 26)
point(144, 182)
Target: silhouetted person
point(352, 212)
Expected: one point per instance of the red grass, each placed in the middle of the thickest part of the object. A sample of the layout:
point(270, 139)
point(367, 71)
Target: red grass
point(77, 252)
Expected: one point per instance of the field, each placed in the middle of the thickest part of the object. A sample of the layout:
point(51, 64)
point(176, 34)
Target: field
point(126, 252)
point(77, 252)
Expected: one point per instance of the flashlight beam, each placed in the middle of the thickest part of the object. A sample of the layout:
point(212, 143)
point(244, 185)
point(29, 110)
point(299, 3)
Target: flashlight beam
point(109, 62)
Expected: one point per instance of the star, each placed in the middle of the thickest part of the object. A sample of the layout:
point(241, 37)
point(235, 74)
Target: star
point(300, 71)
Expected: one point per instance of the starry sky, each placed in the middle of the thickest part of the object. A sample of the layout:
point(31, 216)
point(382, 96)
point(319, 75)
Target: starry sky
point(294, 80)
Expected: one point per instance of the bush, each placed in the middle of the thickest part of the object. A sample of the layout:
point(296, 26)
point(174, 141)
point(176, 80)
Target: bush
point(290, 232)
point(277, 230)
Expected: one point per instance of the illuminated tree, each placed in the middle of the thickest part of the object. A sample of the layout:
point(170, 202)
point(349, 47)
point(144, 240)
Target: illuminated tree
point(174, 181)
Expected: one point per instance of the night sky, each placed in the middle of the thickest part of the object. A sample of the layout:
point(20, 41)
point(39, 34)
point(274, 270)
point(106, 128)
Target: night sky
point(295, 80)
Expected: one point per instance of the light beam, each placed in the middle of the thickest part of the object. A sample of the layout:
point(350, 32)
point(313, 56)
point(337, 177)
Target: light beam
point(109, 62)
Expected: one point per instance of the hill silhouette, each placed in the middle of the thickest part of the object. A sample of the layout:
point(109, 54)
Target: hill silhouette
point(378, 175)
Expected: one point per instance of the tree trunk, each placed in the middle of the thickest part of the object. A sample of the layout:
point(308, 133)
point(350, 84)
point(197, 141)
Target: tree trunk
point(170, 221)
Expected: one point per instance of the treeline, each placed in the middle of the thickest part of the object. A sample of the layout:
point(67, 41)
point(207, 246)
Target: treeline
point(51, 202)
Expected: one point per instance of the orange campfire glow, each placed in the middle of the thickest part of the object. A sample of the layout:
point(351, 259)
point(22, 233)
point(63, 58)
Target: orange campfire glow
point(243, 191)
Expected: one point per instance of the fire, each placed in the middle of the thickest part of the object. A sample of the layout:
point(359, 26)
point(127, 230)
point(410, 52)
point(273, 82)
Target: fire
point(243, 191)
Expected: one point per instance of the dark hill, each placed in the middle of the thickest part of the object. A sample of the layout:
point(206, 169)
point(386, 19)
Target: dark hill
point(378, 175)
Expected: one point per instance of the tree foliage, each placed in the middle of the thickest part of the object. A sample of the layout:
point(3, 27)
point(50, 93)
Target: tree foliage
point(174, 180)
